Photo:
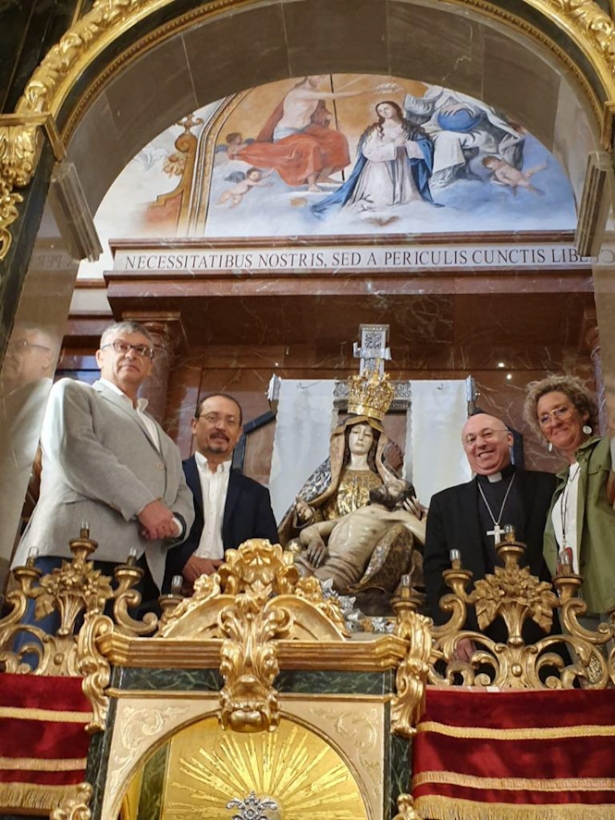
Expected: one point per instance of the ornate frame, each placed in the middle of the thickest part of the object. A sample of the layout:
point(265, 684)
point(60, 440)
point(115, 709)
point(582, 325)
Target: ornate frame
point(583, 21)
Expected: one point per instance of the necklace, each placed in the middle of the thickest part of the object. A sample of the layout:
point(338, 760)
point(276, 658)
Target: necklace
point(564, 509)
point(497, 529)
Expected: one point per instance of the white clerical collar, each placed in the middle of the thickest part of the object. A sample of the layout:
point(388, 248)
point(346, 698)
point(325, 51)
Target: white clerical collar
point(494, 477)
point(202, 463)
point(141, 402)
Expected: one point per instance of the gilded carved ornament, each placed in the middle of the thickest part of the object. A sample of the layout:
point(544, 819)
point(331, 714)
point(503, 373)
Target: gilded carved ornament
point(516, 596)
point(49, 86)
point(76, 807)
point(77, 593)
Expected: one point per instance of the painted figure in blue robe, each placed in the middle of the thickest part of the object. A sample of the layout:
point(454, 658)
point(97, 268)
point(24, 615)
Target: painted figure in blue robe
point(393, 167)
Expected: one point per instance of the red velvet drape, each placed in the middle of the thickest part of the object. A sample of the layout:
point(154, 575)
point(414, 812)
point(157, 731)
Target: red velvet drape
point(515, 755)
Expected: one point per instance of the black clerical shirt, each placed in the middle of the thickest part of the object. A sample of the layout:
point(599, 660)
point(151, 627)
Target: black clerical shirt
point(511, 513)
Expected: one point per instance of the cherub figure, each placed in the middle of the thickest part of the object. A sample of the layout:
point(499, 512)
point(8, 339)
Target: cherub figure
point(234, 143)
point(253, 178)
point(506, 174)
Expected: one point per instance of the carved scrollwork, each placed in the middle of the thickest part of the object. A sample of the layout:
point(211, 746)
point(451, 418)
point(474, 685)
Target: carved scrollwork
point(405, 808)
point(514, 595)
point(249, 663)
point(77, 807)
point(409, 701)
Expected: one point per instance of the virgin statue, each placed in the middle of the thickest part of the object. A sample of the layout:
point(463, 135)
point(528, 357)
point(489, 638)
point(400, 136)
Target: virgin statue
point(356, 462)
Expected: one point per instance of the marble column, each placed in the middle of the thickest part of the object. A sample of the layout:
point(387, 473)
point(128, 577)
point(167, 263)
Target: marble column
point(167, 332)
point(592, 344)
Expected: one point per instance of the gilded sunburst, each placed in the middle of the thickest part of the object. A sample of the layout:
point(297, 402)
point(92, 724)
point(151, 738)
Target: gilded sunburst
point(209, 767)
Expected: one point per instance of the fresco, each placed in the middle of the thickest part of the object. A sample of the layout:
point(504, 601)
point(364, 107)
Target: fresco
point(340, 155)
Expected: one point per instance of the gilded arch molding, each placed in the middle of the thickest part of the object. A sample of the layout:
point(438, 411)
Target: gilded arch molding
point(583, 21)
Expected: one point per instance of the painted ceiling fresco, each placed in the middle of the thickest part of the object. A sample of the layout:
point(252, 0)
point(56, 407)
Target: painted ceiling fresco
point(339, 155)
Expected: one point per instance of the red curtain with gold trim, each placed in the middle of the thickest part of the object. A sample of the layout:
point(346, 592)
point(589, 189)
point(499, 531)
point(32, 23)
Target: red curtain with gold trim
point(43, 742)
point(515, 755)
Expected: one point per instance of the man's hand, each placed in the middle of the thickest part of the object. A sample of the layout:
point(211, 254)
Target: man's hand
point(195, 567)
point(156, 521)
point(464, 650)
point(316, 551)
point(303, 511)
point(413, 506)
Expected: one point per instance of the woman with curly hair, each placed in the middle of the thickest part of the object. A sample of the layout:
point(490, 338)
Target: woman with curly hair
point(581, 524)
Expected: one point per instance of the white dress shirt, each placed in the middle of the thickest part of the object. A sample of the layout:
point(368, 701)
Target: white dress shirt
point(148, 421)
point(214, 487)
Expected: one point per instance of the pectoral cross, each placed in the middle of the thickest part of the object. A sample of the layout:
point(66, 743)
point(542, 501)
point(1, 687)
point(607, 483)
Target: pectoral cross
point(497, 533)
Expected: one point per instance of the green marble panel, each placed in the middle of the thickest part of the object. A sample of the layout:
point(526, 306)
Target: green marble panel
point(167, 680)
point(98, 760)
point(397, 767)
point(355, 683)
point(152, 786)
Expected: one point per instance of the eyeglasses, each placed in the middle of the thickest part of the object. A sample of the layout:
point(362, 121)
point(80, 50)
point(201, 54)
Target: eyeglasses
point(23, 344)
point(216, 418)
point(123, 347)
point(487, 435)
point(559, 414)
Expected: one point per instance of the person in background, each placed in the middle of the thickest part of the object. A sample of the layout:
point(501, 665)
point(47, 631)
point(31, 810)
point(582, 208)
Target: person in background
point(471, 518)
point(106, 462)
point(581, 524)
point(230, 507)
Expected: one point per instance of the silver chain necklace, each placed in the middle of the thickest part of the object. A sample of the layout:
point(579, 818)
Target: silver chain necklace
point(497, 529)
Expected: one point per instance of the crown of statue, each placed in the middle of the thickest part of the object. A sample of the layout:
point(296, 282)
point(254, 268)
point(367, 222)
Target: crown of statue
point(370, 394)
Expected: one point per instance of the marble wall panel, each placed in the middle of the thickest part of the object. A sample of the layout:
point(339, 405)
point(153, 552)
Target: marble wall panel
point(153, 94)
point(97, 136)
point(453, 57)
point(519, 81)
point(213, 51)
point(353, 38)
point(502, 390)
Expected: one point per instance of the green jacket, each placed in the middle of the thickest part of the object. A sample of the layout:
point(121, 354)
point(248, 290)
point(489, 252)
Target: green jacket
point(595, 526)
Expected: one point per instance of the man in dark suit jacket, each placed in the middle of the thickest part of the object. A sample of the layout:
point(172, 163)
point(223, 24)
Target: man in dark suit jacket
point(467, 517)
point(229, 507)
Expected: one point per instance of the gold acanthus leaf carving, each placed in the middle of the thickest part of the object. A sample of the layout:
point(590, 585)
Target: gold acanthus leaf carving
point(259, 568)
point(510, 591)
point(249, 663)
point(409, 702)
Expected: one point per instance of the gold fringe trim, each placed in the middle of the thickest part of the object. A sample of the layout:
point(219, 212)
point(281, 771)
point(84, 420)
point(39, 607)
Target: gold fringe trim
point(51, 715)
point(515, 734)
point(33, 796)
point(452, 808)
point(580, 784)
point(40, 764)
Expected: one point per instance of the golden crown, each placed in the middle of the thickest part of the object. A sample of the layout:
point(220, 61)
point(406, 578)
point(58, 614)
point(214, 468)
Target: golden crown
point(370, 394)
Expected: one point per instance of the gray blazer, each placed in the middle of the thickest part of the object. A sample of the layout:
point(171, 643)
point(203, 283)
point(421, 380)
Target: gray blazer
point(101, 466)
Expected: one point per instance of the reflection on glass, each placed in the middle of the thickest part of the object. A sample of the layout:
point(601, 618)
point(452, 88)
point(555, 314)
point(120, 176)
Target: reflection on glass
point(26, 376)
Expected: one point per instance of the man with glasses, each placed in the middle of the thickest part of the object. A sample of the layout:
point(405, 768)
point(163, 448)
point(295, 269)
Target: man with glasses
point(108, 463)
point(230, 508)
point(471, 518)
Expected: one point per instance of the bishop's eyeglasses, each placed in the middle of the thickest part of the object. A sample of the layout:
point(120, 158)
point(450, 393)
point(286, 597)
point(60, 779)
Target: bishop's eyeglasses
point(123, 347)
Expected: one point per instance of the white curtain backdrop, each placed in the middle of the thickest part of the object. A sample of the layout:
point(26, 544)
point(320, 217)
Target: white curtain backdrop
point(434, 455)
point(304, 422)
